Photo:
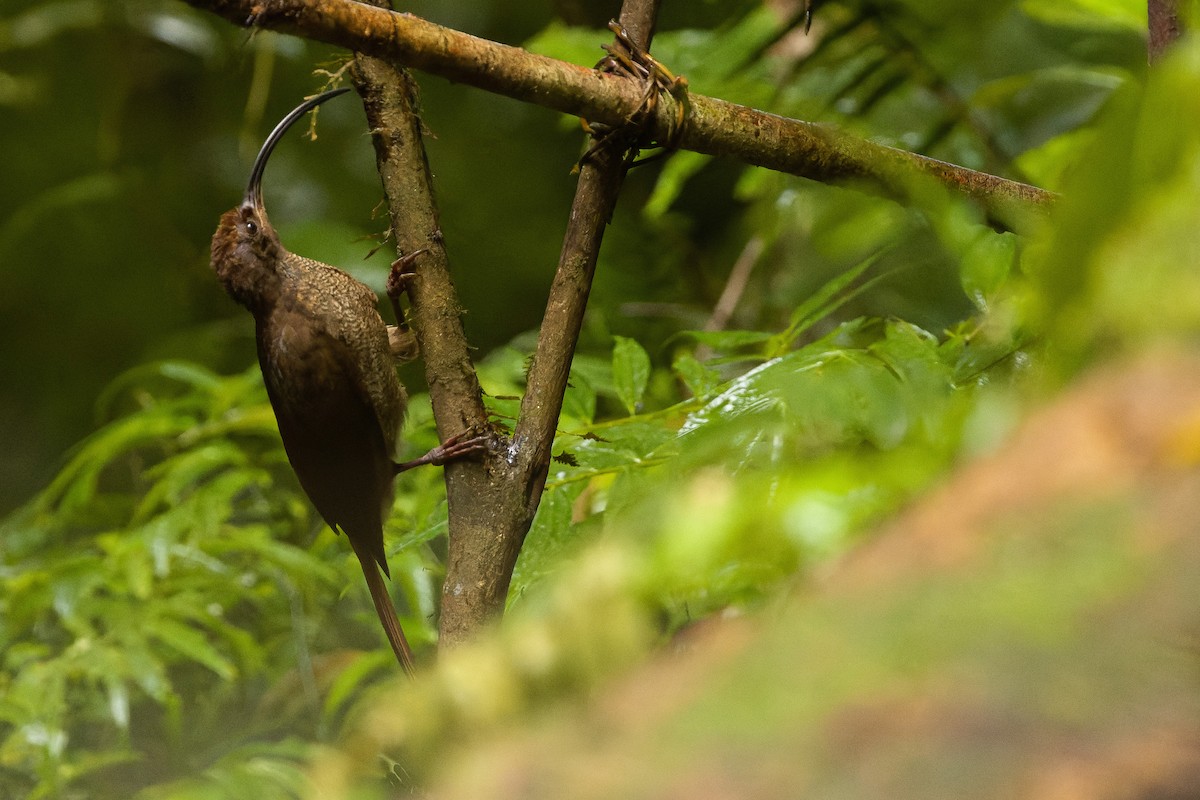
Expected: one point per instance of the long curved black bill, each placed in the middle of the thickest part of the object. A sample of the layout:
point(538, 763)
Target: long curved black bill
point(254, 187)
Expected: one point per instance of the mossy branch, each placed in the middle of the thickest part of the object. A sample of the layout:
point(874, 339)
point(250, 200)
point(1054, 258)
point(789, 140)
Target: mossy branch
point(714, 127)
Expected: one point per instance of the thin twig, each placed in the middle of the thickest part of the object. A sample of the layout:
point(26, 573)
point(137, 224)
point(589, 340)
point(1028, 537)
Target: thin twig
point(735, 286)
point(731, 295)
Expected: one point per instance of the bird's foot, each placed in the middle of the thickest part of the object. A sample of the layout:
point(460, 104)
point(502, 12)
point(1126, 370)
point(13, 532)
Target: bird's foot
point(402, 274)
point(456, 447)
point(626, 58)
point(399, 280)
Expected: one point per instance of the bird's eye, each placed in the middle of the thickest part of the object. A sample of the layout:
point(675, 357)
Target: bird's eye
point(251, 227)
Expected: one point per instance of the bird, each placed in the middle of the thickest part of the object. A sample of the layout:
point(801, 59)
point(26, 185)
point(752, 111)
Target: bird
point(328, 362)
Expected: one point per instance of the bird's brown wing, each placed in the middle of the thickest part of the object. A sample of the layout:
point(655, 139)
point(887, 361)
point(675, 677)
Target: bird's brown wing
point(330, 428)
point(350, 315)
point(332, 435)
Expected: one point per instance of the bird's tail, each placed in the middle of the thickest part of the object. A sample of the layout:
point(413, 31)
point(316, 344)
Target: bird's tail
point(387, 614)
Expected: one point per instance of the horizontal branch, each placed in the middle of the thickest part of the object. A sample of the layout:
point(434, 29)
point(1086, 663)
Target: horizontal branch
point(715, 127)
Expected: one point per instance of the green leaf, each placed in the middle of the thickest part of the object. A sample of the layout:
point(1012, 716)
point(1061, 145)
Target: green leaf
point(550, 537)
point(189, 642)
point(118, 702)
point(625, 443)
point(986, 266)
point(259, 543)
point(75, 486)
point(631, 372)
point(832, 295)
point(180, 474)
point(672, 181)
point(140, 378)
point(353, 678)
point(1128, 14)
point(728, 341)
point(579, 401)
point(701, 380)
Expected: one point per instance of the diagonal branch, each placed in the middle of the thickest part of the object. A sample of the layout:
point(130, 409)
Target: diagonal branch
point(715, 127)
point(493, 502)
point(600, 179)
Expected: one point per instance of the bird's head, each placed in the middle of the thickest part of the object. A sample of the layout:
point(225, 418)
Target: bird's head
point(246, 251)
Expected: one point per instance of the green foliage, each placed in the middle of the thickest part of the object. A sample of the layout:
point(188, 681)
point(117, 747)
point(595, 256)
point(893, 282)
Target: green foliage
point(1112, 278)
point(755, 477)
point(172, 622)
point(157, 591)
point(714, 502)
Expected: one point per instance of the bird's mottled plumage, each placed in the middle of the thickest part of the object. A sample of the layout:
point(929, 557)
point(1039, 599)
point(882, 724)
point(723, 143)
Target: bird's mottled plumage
point(330, 374)
point(338, 401)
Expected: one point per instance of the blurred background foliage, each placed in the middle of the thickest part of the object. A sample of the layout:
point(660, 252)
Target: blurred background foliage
point(768, 365)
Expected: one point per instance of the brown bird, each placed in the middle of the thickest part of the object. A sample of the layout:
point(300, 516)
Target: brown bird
point(328, 362)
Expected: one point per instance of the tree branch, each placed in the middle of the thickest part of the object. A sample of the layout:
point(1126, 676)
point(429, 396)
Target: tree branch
point(600, 179)
point(715, 127)
point(492, 503)
point(390, 97)
point(1166, 25)
point(477, 583)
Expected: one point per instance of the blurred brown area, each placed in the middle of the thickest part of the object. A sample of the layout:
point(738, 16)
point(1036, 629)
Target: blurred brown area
point(1028, 630)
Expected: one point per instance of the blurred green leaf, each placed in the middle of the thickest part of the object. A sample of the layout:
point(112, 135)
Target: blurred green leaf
point(190, 642)
point(576, 45)
point(1089, 13)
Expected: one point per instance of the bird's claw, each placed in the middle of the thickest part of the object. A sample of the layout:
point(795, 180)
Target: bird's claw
point(459, 447)
point(626, 58)
point(454, 448)
point(403, 273)
point(399, 281)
